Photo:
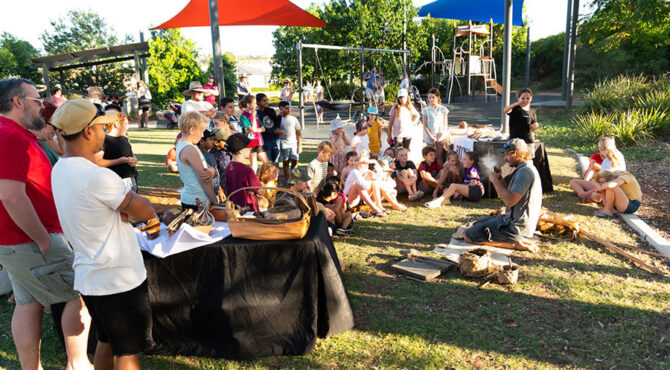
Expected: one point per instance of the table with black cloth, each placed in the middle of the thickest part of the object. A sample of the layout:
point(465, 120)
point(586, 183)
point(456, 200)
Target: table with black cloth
point(490, 148)
point(241, 299)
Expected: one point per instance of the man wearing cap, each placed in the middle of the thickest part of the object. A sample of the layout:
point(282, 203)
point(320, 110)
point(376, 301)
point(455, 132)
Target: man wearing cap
point(197, 101)
point(213, 90)
point(32, 248)
point(95, 211)
point(523, 201)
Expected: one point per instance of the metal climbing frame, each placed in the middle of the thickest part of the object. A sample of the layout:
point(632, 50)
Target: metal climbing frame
point(361, 50)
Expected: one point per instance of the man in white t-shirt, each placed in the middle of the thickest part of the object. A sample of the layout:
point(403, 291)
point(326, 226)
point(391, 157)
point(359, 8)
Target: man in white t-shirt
point(94, 207)
point(197, 102)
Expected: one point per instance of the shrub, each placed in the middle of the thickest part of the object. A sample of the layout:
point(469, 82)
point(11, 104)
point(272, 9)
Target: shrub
point(617, 94)
point(635, 126)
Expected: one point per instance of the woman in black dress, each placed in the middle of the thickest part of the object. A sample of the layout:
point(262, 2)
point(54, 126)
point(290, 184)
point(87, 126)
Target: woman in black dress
point(522, 119)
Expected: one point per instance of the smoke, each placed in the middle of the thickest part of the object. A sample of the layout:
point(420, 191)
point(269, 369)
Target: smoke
point(488, 162)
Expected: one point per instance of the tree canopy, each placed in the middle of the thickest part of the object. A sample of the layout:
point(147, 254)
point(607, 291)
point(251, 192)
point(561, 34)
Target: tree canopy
point(14, 55)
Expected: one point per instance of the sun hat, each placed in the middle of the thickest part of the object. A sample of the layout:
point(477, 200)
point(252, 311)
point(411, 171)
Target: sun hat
point(336, 123)
point(194, 86)
point(403, 92)
point(361, 125)
point(373, 110)
point(514, 144)
point(298, 176)
point(237, 142)
point(76, 114)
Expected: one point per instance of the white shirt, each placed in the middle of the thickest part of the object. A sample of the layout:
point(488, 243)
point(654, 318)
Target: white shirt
point(197, 106)
point(356, 177)
point(107, 257)
point(360, 143)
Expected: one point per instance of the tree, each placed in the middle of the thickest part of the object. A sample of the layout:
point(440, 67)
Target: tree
point(83, 30)
point(172, 65)
point(229, 78)
point(14, 55)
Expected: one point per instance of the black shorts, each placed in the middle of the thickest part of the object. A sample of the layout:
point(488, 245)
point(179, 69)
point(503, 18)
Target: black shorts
point(258, 149)
point(474, 193)
point(123, 320)
point(493, 229)
point(185, 206)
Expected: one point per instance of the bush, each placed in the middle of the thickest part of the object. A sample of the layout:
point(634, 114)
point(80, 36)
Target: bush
point(618, 94)
point(635, 126)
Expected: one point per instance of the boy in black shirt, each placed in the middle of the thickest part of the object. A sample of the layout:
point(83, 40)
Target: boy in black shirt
point(272, 135)
point(117, 153)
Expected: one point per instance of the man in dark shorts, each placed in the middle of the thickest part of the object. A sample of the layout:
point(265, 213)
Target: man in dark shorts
point(523, 201)
point(32, 248)
point(95, 211)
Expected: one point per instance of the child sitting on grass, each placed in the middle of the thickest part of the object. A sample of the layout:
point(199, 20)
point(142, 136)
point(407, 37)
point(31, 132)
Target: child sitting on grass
point(405, 175)
point(318, 168)
point(359, 186)
point(612, 160)
point(620, 192)
point(350, 160)
point(390, 154)
point(429, 171)
point(472, 187)
point(453, 169)
point(332, 198)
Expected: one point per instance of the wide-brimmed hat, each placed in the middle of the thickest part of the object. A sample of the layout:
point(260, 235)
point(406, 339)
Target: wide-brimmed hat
point(336, 123)
point(76, 114)
point(194, 86)
point(514, 144)
point(403, 92)
point(373, 110)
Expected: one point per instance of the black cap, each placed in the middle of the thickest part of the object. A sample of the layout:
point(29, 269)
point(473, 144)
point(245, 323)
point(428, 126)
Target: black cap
point(209, 132)
point(237, 142)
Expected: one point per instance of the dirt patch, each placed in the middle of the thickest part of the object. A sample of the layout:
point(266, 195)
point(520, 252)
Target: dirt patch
point(162, 198)
point(654, 179)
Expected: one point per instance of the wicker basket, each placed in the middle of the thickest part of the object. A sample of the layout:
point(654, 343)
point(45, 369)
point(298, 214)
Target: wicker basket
point(508, 275)
point(256, 228)
point(476, 263)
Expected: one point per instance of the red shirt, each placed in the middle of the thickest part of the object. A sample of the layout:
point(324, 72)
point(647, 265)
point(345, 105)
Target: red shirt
point(211, 99)
point(239, 175)
point(433, 169)
point(24, 160)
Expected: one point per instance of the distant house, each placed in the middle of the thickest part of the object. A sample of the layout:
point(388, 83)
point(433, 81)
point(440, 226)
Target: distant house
point(258, 73)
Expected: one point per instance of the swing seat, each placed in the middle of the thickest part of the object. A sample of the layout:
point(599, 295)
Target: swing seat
point(335, 104)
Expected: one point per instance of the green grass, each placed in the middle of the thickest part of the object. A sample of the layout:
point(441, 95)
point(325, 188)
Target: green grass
point(576, 305)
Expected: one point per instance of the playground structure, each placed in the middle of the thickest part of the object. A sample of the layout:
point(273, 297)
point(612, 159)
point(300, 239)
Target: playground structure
point(471, 60)
point(339, 104)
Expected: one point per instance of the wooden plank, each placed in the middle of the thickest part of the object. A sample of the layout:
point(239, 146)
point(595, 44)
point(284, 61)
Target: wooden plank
point(418, 270)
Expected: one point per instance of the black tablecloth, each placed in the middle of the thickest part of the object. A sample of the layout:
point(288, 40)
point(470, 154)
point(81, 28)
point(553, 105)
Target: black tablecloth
point(241, 299)
point(490, 149)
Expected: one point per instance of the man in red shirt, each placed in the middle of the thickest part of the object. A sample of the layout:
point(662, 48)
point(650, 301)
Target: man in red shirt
point(32, 247)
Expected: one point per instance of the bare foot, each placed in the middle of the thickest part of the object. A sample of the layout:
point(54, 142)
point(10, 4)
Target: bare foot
point(460, 233)
point(399, 207)
point(525, 245)
point(446, 201)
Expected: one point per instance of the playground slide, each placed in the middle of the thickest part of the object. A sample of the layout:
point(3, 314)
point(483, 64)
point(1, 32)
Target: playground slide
point(494, 85)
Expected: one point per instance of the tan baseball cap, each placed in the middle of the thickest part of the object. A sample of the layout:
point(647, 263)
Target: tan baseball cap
point(76, 114)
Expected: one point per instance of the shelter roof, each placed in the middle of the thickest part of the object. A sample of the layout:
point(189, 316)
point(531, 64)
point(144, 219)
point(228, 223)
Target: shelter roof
point(91, 55)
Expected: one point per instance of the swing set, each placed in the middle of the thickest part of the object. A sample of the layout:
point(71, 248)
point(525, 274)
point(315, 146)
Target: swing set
point(340, 105)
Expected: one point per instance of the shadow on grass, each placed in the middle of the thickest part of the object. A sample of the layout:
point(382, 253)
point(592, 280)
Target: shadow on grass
point(558, 331)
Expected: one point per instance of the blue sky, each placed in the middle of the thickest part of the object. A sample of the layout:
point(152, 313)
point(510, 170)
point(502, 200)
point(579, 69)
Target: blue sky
point(28, 19)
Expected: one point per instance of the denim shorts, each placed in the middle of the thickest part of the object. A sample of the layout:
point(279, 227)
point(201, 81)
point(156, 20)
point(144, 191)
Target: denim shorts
point(289, 152)
point(633, 205)
point(45, 278)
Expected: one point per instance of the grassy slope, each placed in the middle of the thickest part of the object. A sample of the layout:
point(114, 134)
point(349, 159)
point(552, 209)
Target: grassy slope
point(575, 305)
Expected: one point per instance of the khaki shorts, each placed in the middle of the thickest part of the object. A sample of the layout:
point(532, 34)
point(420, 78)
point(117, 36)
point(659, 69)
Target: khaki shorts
point(36, 277)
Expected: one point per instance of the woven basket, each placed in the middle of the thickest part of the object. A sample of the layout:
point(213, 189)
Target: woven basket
point(256, 228)
point(508, 275)
point(476, 263)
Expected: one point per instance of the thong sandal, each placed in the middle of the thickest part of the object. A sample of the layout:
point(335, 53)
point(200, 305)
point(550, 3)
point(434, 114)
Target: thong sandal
point(601, 214)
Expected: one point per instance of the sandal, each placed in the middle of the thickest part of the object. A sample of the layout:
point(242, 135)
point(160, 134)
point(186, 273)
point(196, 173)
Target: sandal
point(600, 214)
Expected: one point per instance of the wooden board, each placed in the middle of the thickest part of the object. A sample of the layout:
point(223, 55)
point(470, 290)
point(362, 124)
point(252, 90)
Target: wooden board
point(418, 270)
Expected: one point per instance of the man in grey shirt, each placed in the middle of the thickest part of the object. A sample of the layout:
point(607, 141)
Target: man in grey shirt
point(523, 201)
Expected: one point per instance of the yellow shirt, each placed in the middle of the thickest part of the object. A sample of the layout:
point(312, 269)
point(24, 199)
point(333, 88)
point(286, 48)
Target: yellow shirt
point(373, 133)
point(631, 186)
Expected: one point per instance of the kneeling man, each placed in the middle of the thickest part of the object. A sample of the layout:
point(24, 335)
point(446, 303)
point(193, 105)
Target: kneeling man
point(94, 206)
point(523, 201)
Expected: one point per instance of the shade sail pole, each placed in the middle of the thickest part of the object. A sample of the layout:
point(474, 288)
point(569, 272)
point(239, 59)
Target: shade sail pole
point(566, 51)
point(216, 46)
point(301, 103)
point(507, 66)
point(573, 50)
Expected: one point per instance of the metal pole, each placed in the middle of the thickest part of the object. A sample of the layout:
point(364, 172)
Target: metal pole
point(573, 51)
point(527, 55)
point(469, 56)
point(216, 46)
point(566, 51)
point(301, 103)
point(143, 61)
point(432, 64)
point(491, 37)
point(361, 79)
point(507, 65)
point(45, 76)
point(136, 57)
point(404, 31)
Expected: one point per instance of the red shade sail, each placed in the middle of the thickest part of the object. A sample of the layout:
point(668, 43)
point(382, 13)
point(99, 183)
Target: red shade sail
point(244, 13)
